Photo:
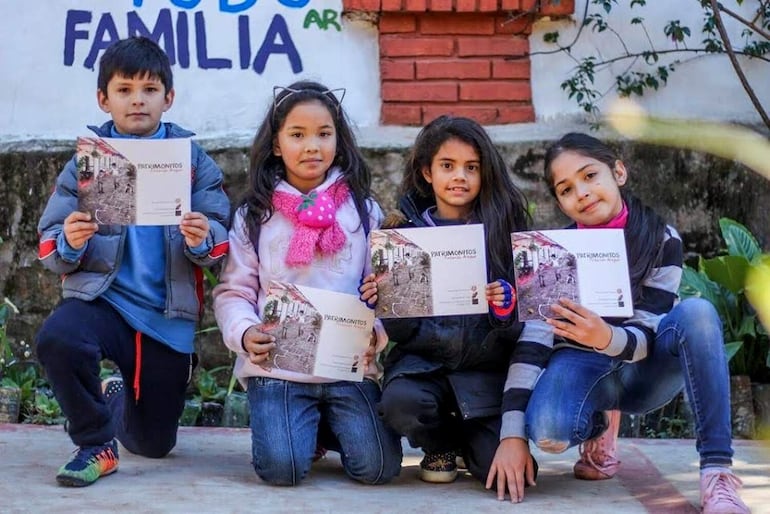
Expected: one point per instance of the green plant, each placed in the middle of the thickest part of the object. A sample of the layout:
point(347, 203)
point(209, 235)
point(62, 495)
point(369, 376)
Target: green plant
point(721, 280)
point(45, 410)
point(7, 356)
point(208, 387)
point(635, 69)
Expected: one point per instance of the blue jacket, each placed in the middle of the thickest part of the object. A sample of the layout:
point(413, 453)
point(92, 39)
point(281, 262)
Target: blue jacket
point(89, 277)
point(472, 350)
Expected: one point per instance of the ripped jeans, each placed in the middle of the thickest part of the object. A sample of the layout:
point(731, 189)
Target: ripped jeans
point(571, 395)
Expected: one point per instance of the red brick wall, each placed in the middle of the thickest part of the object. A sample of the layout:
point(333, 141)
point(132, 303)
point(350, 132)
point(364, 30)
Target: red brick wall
point(450, 56)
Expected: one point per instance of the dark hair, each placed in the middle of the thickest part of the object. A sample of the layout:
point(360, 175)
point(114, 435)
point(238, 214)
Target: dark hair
point(134, 56)
point(267, 169)
point(644, 229)
point(500, 206)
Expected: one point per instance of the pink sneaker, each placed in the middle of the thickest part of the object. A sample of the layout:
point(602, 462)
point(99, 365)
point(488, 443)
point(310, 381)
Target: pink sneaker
point(597, 456)
point(719, 492)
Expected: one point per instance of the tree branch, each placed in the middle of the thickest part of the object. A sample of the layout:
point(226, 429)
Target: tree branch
point(640, 54)
point(736, 65)
point(745, 22)
point(561, 48)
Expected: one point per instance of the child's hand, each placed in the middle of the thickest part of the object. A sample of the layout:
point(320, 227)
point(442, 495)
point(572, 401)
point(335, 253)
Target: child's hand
point(368, 290)
point(78, 229)
point(501, 297)
point(501, 294)
point(580, 324)
point(257, 344)
point(194, 227)
point(512, 467)
point(369, 354)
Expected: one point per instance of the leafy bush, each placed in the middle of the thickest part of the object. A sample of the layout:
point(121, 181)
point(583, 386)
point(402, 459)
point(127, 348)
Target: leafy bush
point(721, 280)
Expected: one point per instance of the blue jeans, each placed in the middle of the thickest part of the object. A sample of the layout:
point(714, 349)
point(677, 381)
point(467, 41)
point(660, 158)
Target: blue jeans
point(289, 418)
point(567, 405)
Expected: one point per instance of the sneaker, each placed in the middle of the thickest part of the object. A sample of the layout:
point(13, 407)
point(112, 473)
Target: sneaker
point(719, 492)
point(439, 468)
point(89, 464)
point(111, 386)
point(598, 459)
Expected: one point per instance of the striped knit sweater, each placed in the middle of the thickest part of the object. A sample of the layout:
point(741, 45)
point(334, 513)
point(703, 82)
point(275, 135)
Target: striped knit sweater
point(630, 341)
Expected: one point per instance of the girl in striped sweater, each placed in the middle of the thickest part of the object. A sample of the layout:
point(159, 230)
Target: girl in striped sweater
point(632, 365)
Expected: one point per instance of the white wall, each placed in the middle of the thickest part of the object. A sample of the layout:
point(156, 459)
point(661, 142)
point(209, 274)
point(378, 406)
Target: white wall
point(41, 96)
point(701, 87)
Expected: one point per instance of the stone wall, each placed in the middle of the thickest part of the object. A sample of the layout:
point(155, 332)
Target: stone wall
point(691, 190)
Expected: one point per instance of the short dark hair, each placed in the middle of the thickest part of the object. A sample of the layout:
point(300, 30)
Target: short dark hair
point(135, 56)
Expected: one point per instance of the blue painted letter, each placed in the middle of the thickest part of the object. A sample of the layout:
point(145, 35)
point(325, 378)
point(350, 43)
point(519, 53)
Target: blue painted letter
point(71, 34)
point(270, 46)
point(226, 6)
point(163, 29)
point(106, 28)
point(200, 47)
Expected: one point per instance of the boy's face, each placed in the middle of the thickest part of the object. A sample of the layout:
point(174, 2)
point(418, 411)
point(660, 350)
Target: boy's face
point(136, 104)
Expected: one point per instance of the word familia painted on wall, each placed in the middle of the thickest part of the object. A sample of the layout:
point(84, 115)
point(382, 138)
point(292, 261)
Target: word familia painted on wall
point(173, 32)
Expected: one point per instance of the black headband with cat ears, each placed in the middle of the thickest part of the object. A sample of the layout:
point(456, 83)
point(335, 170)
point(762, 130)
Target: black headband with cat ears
point(330, 93)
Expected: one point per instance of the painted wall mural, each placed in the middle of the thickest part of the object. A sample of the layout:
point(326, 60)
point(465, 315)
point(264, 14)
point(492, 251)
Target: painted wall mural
point(226, 56)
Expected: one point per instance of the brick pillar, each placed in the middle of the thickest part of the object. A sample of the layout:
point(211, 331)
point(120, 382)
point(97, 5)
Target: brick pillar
point(449, 57)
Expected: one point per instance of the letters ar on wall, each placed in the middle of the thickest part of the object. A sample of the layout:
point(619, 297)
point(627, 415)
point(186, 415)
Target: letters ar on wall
point(226, 56)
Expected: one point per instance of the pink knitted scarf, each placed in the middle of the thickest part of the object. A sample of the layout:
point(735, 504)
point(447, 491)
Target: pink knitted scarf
point(314, 217)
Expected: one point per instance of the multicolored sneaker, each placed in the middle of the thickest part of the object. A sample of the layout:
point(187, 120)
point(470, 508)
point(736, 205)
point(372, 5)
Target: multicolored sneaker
point(719, 492)
point(598, 459)
point(439, 468)
point(89, 464)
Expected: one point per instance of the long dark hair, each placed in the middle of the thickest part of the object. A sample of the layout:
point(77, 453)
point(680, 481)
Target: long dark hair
point(267, 169)
point(500, 206)
point(644, 229)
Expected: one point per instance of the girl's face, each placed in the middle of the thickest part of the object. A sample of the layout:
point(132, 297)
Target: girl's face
point(455, 175)
point(307, 143)
point(587, 190)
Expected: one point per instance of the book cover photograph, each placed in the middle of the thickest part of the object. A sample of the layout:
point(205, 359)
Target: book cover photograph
point(317, 332)
point(587, 266)
point(134, 181)
point(429, 271)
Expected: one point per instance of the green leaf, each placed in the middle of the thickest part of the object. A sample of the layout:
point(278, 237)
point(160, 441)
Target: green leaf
point(729, 271)
point(748, 327)
point(698, 284)
point(210, 277)
point(732, 348)
point(551, 37)
point(739, 239)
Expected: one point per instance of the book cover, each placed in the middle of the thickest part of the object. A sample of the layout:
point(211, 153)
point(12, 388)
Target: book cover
point(134, 181)
point(587, 266)
point(429, 271)
point(317, 332)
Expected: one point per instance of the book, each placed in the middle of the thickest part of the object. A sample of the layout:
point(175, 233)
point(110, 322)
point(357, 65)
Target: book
point(589, 267)
point(126, 181)
point(429, 271)
point(317, 332)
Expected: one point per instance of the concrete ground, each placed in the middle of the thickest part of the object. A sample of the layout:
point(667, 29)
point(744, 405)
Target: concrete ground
point(209, 472)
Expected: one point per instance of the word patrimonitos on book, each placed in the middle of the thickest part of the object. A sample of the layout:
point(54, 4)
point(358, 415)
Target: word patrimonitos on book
point(134, 181)
point(589, 267)
point(429, 271)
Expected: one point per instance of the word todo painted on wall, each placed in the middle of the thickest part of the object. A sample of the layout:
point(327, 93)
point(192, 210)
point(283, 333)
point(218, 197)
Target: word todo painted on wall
point(182, 33)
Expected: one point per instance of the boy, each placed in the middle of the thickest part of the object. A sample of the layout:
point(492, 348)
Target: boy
point(132, 294)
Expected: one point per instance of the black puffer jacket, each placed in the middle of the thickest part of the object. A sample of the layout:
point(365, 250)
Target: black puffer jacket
point(472, 349)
